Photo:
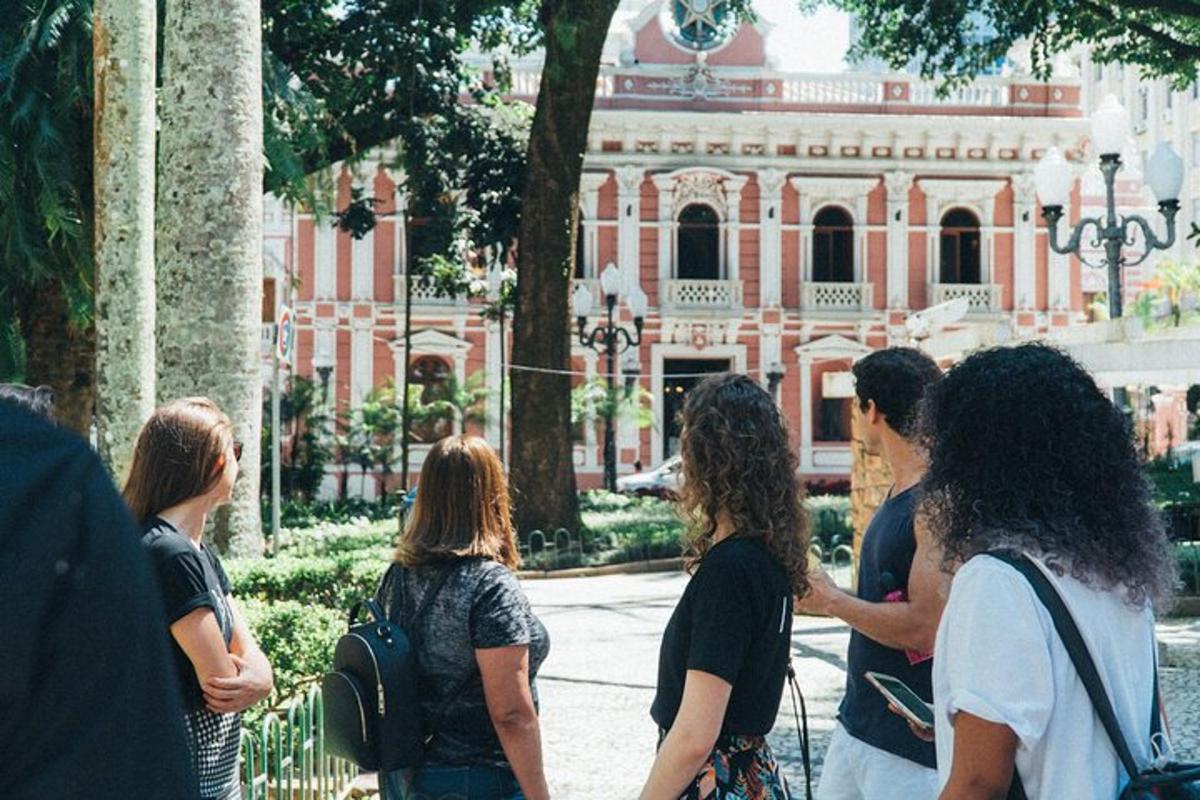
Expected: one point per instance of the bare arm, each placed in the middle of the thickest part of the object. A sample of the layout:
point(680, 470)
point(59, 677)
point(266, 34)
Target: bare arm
point(505, 672)
point(254, 679)
point(200, 638)
point(691, 739)
point(984, 753)
point(909, 624)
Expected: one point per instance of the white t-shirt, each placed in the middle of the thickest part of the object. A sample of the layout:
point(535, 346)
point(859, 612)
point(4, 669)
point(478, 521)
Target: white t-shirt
point(999, 658)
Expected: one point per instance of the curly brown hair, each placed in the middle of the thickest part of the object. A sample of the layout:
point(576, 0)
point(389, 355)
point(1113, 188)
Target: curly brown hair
point(738, 461)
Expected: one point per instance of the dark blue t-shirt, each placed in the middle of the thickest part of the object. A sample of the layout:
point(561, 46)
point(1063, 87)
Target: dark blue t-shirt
point(885, 561)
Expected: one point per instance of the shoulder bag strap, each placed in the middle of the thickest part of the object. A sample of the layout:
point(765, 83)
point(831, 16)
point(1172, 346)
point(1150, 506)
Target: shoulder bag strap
point(801, 713)
point(1076, 647)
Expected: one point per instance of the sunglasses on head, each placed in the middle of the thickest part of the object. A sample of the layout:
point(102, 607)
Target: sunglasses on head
point(237, 450)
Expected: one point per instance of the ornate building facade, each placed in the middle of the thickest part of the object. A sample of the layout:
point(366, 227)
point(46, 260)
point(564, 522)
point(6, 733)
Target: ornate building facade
point(778, 223)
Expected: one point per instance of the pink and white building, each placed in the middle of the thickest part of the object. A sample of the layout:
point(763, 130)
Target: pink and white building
point(774, 220)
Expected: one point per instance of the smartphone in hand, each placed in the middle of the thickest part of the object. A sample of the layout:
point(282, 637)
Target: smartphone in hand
point(903, 699)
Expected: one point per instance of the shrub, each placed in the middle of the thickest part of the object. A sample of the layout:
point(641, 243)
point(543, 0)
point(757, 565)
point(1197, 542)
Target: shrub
point(831, 525)
point(329, 538)
point(297, 639)
point(1187, 558)
point(332, 581)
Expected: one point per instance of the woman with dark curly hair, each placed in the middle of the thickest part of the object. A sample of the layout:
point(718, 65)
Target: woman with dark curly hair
point(725, 651)
point(1026, 455)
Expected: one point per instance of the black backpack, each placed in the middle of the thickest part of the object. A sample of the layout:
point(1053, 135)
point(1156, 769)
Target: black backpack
point(1168, 781)
point(371, 698)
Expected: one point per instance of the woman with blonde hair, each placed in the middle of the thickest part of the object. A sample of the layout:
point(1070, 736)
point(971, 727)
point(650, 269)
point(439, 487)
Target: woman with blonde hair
point(184, 466)
point(726, 649)
point(478, 643)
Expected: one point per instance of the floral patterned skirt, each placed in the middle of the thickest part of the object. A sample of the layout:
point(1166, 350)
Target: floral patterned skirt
point(739, 768)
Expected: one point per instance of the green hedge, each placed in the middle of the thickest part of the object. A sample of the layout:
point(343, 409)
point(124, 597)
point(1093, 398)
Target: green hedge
point(298, 640)
point(331, 581)
point(831, 525)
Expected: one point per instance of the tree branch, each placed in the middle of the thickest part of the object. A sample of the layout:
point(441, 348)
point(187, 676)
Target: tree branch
point(1181, 51)
point(1180, 8)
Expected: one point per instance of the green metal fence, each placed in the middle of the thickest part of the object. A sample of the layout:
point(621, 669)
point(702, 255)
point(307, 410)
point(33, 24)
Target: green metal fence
point(285, 758)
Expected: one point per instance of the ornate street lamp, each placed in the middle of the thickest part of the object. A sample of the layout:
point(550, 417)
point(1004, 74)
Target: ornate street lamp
point(610, 339)
point(774, 378)
point(323, 366)
point(1053, 180)
point(1164, 172)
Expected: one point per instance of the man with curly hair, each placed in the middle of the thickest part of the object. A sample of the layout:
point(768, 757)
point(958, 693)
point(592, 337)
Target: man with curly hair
point(901, 592)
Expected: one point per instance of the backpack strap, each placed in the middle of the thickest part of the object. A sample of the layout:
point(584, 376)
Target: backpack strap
point(1076, 647)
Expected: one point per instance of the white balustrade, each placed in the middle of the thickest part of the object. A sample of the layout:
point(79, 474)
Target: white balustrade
point(424, 294)
point(984, 297)
point(831, 90)
point(696, 295)
point(828, 296)
point(981, 93)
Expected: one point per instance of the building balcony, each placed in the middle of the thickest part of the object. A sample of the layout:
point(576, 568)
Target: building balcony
point(984, 297)
point(840, 297)
point(424, 294)
point(681, 294)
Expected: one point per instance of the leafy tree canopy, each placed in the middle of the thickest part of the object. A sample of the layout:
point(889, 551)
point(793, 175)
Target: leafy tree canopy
point(958, 39)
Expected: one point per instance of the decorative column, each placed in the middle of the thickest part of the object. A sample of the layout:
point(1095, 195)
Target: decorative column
point(589, 193)
point(494, 371)
point(629, 201)
point(770, 349)
point(666, 226)
point(733, 227)
point(325, 260)
point(770, 229)
point(1058, 280)
point(806, 410)
point(362, 253)
point(898, 185)
point(1024, 243)
point(861, 238)
point(362, 359)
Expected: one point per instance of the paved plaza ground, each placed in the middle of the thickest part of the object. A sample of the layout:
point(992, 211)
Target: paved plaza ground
point(597, 685)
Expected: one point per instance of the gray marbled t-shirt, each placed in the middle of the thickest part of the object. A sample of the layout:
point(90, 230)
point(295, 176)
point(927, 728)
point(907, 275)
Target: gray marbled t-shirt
point(480, 606)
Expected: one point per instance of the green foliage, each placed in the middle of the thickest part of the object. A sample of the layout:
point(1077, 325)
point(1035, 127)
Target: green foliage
point(45, 157)
point(958, 39)
point(1187, 561)
point(334, 581)
point(297, 638)
point(591, 402)
point(1172, 483)
point(831, 525)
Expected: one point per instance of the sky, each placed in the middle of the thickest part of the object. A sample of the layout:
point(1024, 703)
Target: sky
point(806, 43)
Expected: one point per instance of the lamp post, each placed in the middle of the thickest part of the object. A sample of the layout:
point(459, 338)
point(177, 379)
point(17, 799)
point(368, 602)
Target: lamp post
point(323, 366)
point(1053, 180)
point(774, 378)
point(610, 339)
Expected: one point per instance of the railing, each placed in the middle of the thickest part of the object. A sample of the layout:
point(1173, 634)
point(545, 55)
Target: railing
point(424, 293)
point(822, 296)
point(831, 90)
point(984, 297)
point(286, 758)
point(977, 94)
point(681, 294)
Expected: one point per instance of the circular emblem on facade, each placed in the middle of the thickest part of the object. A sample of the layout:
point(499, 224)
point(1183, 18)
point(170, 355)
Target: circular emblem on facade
point(702, 24)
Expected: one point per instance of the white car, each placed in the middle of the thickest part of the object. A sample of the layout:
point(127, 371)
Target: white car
point(662, 481)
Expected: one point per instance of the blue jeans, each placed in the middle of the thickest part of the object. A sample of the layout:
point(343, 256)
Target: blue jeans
point(453, 783)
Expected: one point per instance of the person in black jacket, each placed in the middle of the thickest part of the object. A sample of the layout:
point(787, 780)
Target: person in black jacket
point(84, 707)
point(726, 649)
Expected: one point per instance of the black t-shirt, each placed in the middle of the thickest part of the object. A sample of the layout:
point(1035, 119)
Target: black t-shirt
point(85, 710)
point(733, 621)
point(885, 561)
point(480, 606)
point(189, 577)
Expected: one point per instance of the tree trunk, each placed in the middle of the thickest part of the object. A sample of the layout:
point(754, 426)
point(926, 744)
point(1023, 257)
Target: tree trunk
point(59, 354)
point(543, 469)
point(209, 246)
point(123, 58)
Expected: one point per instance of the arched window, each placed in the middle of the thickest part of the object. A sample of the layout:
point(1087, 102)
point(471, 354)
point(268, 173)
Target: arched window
point(431, 374)
point(833, 246)
point(698, 245)
point(580, 250)
point(960, 247)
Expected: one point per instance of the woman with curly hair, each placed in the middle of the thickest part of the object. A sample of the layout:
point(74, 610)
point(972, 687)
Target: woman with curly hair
point(725, 651)
point(1026, 455)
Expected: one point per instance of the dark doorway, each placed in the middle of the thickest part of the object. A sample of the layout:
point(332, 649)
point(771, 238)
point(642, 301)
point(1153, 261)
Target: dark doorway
point(833, 246)
point(960, 247)
point(698, 244)
point(679, 376)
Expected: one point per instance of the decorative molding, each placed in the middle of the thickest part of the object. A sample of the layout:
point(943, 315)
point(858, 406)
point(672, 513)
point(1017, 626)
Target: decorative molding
point(898, 184)
point(977, 192)
point(771, 181)
point(1024, 191)
point(832, 346)
point(433, 342)
point(629, 178)
point(849, 191)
